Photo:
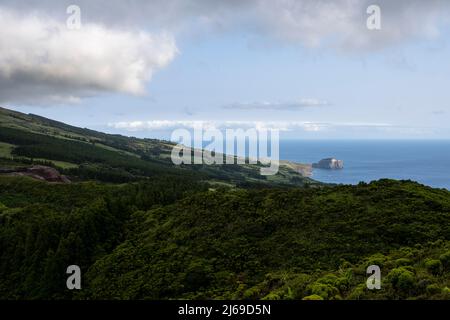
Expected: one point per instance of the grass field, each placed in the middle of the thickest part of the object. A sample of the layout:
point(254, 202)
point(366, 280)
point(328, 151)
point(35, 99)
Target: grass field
point(5, 149)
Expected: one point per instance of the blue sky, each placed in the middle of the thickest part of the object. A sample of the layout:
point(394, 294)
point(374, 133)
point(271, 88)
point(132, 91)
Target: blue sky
point(389, 86)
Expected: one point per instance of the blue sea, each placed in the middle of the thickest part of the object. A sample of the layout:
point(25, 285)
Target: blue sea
point(427, 162)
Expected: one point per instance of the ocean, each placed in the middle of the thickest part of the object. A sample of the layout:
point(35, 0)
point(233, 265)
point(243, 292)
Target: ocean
point(427, 162)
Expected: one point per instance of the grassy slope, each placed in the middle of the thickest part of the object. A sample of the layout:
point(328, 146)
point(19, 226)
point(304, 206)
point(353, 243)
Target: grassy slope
point(68, 147)
point(6, 149)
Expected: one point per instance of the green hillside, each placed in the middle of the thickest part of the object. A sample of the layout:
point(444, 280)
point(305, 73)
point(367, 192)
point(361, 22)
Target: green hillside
point(86, 154)
point(175, 238)
point(141, 228)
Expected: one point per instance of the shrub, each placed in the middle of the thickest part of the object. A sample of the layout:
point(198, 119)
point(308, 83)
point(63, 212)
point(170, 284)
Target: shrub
point(326, 291)
point(313, 297)
point(358, 293)
point(329, 279)
point(341, 283)
point(273, 296)
point(433, 289)
point(376, 259)
point(402, 279)
point(251, 293)
point(406, 281)
point(298, 285)
point(424, 283)
point(434, 266)
point(402, 262)
point(445, 259)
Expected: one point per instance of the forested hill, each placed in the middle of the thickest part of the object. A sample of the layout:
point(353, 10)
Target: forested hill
point(176, 238)
point(85, 154)
point(140, 228)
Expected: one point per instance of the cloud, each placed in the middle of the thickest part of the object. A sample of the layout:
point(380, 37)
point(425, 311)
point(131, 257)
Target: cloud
point(265, 105)
point(122, 43)
point(164, 125)
point(42, 61)
point(342, 23)
point(205, 124)
point(293, 129)
point(312, 23)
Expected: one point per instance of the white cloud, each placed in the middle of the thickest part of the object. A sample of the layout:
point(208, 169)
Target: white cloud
point(293, 129)
point(267, 105)
point(41, 60)
point(163, 125)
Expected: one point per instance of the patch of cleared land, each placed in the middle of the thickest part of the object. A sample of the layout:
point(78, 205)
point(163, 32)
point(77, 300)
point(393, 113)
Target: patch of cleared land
point(5, 150)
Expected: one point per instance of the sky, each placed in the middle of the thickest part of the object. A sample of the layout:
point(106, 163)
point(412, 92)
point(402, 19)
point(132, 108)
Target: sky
point(310, 68)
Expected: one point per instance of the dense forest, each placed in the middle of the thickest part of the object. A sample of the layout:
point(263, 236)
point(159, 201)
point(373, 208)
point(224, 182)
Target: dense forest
point(177, 238)
point(139, 228)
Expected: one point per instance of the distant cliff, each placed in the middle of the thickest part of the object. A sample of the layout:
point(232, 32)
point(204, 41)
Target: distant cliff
point(329, 163)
